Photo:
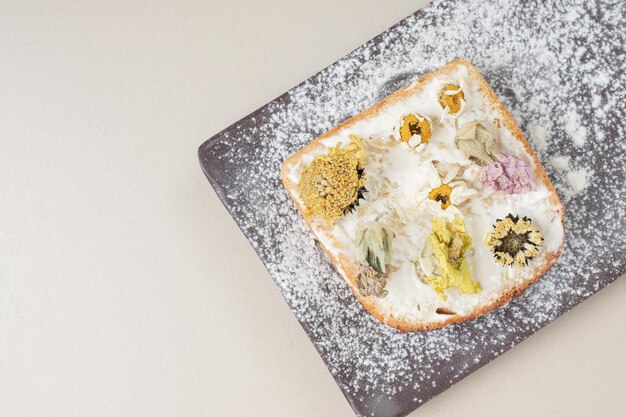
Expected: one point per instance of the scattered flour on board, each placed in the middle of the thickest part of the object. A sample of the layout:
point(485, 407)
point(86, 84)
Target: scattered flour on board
point(539, 135)
point(577, 180)
point(546, 76)
point(560, 162)
point(575, 128)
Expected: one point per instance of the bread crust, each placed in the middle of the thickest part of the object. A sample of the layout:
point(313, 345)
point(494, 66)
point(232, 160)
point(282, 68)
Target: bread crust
point(408, 90)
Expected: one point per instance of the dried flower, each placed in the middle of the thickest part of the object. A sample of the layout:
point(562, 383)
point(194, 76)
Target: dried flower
point(476, 143)
point(373, 243)
point(446, 191)
point(369, 282)
point(333, 184)
point(415, 130)
point(452, 98)
point(514, 241)
point(509, 174)
point(443, 258)
point(397, 210)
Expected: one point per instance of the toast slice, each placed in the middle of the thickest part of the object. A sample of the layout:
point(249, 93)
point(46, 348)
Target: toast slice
point(431, 204)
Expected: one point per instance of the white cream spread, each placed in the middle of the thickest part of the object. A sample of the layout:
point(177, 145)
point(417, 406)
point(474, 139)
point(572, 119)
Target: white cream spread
point(396, 174)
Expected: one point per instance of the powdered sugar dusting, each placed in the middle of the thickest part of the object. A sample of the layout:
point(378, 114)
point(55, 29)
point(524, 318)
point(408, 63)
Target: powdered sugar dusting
point(575, 129)
point(552, 64)
point(540, 136)
point(571, 182)
point(577, 180)
point(560, 162)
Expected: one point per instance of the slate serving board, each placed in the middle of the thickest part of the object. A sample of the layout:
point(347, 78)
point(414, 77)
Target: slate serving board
point(559, 67)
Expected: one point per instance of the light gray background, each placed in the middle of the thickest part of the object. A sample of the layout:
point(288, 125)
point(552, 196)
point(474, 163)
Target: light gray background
point(125, 287)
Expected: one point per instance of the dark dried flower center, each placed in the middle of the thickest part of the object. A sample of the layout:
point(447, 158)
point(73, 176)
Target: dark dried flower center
point(442, 198)
point(415, 128)
point(512, 243)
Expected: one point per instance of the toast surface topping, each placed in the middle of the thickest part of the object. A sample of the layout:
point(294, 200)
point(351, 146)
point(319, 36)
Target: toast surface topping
point(455, 197)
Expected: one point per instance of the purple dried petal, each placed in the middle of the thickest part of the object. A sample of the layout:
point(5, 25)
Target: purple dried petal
point(509, 174)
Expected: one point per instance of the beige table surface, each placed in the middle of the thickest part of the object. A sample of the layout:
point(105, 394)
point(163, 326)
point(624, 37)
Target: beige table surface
point(125, 287)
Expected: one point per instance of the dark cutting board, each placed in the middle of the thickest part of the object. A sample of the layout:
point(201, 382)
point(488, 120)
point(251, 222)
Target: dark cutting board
point(559, 67)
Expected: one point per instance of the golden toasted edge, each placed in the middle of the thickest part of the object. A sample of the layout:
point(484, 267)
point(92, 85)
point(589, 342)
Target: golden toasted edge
point(406, 325)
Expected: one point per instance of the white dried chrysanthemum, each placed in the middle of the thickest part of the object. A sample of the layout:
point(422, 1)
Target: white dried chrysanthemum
point(445, 190)
point(452, 98)
point(415, 130)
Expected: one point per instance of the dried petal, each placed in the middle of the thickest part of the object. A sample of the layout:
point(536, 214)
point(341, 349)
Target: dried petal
point(373, 243)
point(398, 210)
point(509, 174)
point(451, 174)
point(433, 177)
point(428, 261)
point(476, 143)
point(369, 282)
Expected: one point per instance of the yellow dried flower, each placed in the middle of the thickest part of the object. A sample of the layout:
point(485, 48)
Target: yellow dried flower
point(443, 258)
point(452, 96)
point(415, 129)
point(332, 184)
point(442, 194)
point(514, 241)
